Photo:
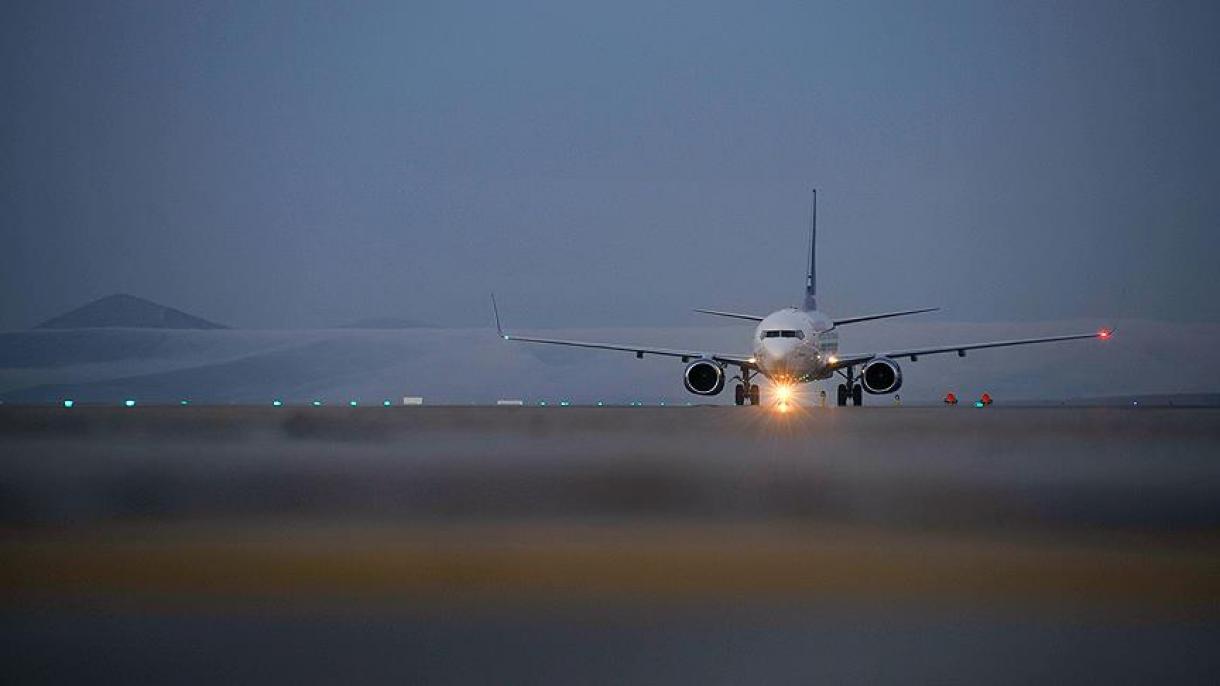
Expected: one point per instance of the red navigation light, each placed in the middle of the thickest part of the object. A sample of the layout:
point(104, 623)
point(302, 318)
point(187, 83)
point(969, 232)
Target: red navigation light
point(1104, 334)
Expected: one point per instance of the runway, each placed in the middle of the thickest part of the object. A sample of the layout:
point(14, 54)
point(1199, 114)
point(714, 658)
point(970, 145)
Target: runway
point(610, 544)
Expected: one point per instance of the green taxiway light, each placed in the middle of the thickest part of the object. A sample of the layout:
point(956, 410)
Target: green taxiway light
point(69, 403)
point(184, 402)
point(386, 403)
point(599, 403)
point(276, 403)
point(317, 403)
point(129, 403)
point(978, 403)
point(352, 403)
point(564, 403)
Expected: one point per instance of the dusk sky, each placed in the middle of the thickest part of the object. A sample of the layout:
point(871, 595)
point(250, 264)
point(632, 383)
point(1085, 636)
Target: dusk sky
point(292, 164)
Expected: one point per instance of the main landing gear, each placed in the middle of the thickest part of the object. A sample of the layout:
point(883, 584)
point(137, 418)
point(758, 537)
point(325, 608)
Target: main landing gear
point(851, 389)
point(745, 390)
point(856, 394)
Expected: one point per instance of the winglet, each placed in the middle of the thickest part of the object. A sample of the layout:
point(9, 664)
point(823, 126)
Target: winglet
point(496, 311)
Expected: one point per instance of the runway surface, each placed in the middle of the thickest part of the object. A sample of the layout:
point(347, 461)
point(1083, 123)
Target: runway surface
point(464, 545)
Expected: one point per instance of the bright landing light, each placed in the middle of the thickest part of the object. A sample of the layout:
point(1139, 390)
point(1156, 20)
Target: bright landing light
point(783, 397)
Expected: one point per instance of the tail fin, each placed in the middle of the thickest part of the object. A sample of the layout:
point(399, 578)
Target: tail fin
point(811, 279)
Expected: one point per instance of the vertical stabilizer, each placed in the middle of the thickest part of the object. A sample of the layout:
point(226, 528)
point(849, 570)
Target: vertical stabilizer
point(811, 277)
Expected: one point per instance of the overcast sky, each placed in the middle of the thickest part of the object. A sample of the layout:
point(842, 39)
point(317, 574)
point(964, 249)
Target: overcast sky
point(268, 164)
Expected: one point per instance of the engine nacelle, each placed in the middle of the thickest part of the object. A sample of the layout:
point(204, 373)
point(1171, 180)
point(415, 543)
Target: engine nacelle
point(703, 377)
point(881, 375)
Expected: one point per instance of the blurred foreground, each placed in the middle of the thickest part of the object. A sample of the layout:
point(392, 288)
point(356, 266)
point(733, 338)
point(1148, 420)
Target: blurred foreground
point(597, 545)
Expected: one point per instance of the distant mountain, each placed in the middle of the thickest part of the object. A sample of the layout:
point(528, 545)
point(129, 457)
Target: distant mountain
point(382, 323)
point(127, 311)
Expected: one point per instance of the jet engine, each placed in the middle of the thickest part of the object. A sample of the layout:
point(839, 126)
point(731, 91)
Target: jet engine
point(704, 377)
point(881, 375)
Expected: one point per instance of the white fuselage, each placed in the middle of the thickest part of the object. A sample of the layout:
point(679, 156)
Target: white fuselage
point(795, 346)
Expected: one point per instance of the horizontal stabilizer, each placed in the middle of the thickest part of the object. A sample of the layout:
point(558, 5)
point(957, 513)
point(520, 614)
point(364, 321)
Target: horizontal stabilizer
point(883, 315)
point(733, 315)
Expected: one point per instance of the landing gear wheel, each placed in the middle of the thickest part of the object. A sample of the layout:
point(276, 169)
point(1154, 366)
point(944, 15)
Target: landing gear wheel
point(857, 395)
point(754, 394)
point(739, 395)
point(842, 395)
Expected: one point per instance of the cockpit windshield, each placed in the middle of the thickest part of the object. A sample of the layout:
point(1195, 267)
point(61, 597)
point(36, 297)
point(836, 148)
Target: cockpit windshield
point(783, 333)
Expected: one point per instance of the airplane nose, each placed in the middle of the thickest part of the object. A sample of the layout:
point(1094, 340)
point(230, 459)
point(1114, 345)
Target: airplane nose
point(775, 355)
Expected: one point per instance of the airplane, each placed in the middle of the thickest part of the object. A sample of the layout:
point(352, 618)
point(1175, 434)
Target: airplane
point(797, 345)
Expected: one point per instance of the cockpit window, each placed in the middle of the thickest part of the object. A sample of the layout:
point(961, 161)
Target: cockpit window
point(784, 333)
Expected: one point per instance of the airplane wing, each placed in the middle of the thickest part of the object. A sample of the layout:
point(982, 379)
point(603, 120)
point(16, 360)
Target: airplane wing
point(745, 361)
point(641, 350)
point(842, 361)
point(883, 315)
